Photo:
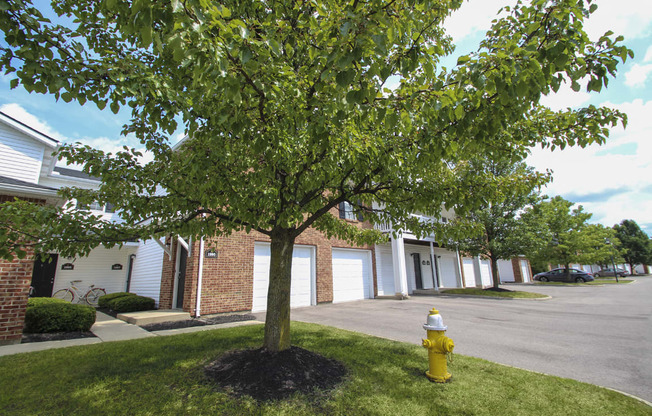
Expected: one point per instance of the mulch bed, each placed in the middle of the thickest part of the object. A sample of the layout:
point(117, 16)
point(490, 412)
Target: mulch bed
point(266, 375)
point(55, 336)
point(215, 320)
point(497, 289)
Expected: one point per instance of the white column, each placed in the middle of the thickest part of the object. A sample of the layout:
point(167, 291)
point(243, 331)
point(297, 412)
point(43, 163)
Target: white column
point(400, 271)
point(458, 271)
point(434, 266)
point(477, 267)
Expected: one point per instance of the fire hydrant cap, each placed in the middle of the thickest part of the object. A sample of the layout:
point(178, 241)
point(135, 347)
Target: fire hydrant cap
point(435, 323)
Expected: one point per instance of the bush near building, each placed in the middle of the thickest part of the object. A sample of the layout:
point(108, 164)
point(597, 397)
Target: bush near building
point(46, 315)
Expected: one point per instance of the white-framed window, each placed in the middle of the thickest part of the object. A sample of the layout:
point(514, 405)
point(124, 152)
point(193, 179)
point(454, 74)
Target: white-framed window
point(347, 212)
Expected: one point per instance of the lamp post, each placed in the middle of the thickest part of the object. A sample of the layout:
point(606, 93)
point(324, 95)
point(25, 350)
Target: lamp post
point(608, 241)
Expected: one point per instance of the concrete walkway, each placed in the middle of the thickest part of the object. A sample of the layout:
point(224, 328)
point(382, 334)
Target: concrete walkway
point(106, 329)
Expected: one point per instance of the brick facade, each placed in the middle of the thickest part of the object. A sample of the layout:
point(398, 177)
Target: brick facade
point(227, 281)
point(15, 280)
point(516, 266)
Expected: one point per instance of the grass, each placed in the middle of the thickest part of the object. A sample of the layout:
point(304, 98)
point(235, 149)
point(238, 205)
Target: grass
point(164, 376)
point(482, 292)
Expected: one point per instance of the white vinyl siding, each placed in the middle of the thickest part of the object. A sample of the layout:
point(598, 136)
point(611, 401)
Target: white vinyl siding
point(506, 271)
point(96, 269)
point(303, 272)
point(20, 156)
point(351, 275)
point(147, 271)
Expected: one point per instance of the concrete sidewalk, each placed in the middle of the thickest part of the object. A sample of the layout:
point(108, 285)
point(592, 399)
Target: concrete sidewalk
point(106, 329)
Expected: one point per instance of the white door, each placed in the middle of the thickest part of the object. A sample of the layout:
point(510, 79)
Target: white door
point(469, 273)
point(351, 275)
point(301, 292)
point(525, 271)
point(485, 272)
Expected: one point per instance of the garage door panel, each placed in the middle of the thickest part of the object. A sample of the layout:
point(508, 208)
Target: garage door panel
point(351, 270)
point(301, 288)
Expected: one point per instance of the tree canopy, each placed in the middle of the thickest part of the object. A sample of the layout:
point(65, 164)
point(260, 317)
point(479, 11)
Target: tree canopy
point(287, 111)
point(567, 235)
point(502, 234)
point(635, 244)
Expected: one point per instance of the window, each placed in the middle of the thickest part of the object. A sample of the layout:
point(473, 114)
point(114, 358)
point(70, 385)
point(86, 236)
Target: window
point(95, 206)
point(347, 212)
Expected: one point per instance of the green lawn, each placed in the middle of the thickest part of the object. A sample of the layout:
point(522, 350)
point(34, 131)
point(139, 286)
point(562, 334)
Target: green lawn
point(164, 376)
point(481, 292)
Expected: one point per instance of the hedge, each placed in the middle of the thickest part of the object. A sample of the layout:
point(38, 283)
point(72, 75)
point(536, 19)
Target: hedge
point(132, 304)
point(104, 301)
point(44, 315)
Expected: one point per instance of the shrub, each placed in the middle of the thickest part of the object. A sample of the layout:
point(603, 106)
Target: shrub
point(104, 301)
point(132, 304)
point(43, 301)
point(45, 315)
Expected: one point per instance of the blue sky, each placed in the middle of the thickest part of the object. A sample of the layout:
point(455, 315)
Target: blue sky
point(613, 181)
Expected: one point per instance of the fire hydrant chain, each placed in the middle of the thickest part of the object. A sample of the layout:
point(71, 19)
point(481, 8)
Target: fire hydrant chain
point(439, 346)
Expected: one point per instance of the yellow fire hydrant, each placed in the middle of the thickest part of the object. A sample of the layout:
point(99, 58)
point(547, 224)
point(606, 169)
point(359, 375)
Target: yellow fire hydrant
point(438, 346)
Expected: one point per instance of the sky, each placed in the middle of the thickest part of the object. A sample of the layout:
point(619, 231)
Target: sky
point(612, 181)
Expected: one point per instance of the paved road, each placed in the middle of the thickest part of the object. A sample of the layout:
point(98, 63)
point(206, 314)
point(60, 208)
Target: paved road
point(600, 335)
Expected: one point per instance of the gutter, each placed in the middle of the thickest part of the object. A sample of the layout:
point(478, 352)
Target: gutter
point(200, 270)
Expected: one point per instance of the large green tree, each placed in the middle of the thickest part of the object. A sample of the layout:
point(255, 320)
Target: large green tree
point(636, 247)
point(501, 232)
point(288, 114)
point(567, 235)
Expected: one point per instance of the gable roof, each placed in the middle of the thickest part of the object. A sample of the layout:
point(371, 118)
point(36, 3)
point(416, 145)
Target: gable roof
point(29, 131)
point(74, 173)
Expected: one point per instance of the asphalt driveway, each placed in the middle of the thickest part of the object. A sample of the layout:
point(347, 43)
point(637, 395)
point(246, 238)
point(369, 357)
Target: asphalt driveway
point(600, 335)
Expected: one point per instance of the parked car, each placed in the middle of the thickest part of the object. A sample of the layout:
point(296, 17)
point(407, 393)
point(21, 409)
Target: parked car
point(559, 275)
point(609, 271)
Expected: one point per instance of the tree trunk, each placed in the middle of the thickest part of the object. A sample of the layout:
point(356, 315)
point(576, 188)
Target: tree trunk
point(494, 271)
point(567, 272)
point(277, 320)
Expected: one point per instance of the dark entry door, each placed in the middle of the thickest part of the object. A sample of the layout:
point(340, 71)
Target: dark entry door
point(417, 270)
point(43, 276)
point(181, 283)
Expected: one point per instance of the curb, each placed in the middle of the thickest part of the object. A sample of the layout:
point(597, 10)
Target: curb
point(457, 295)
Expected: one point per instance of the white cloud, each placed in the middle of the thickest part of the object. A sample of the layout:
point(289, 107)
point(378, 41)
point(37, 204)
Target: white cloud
point(19, 113)
point(474, 16)
point(594, 170)
point(565, 97)
point(648, 55)
point(637, 75)
point(630, 18)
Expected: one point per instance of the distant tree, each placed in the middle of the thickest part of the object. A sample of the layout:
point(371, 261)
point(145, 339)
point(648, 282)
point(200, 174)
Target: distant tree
point(636, 247)
point(567, 237)
point(501, 234)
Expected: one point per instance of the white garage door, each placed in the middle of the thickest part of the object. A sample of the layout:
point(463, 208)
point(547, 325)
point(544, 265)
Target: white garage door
point(506, 270)
point(351, 275)
point(448, 271)
point(469, 273)
point(525, 271)
point(302, 277)
point(485, 272)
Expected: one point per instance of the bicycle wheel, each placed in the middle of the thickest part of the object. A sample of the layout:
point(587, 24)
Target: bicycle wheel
point(65, 294)
point(93, 296)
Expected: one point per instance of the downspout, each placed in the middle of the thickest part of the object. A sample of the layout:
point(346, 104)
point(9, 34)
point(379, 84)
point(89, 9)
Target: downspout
point(200, 270)
point(132, 257)
point(433, 266)
point(458, 268)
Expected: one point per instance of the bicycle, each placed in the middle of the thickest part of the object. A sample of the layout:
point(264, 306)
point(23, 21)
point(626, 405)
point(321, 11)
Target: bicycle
point(91, 297)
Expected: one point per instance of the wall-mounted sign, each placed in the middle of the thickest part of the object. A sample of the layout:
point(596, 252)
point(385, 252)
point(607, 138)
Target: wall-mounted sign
point(116, 266)
point(210, 254)
point(67, 266)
